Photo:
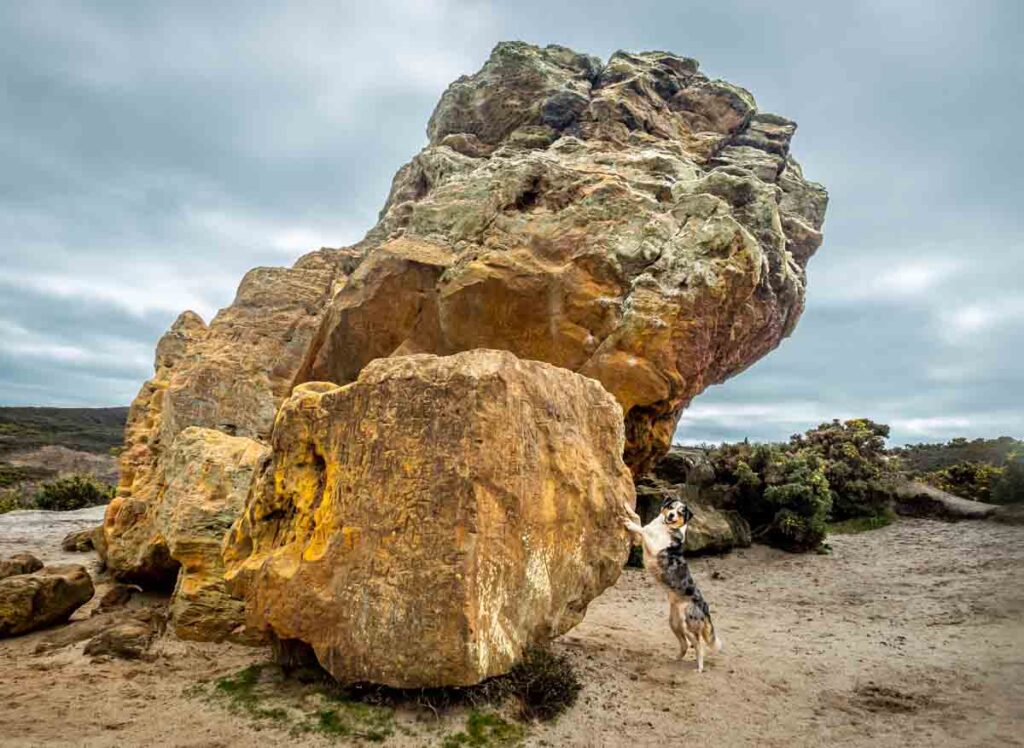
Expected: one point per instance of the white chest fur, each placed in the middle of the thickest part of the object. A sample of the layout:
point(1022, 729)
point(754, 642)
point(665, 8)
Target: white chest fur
point(657, 536)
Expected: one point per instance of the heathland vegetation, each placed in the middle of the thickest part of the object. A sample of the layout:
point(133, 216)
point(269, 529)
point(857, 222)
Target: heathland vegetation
point(58, 458)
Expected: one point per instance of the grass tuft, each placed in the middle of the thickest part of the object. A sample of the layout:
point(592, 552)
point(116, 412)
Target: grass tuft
point(484, 730)
point(861, 524)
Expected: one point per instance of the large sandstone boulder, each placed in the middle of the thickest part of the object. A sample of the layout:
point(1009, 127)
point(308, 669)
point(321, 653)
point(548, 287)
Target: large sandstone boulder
point(425, 524)
point(34, 601)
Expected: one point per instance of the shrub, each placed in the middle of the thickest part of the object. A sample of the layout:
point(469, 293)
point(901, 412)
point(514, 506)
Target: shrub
point(860, 476)
point(969, 480)
point(9, 502)
point(783, 495)
point(76, 492)
point(1009, 487)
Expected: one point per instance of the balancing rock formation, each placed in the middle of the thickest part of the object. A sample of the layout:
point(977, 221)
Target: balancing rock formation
point(634, 222)
point(425, 524)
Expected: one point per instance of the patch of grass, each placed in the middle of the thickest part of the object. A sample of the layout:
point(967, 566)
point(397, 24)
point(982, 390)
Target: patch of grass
point(306, 699)
point(861, 524)
point(352, 719)
point(484, 729)
point(262, 692)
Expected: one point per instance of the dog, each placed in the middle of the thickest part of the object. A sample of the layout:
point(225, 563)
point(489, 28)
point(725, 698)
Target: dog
point(688, 613)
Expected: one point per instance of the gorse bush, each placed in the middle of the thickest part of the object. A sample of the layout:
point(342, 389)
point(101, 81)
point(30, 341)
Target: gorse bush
point(783, 495)
point(969, 480)
point(790, 492)
point(76, 492)
point(1009, 487)
point(861, 478)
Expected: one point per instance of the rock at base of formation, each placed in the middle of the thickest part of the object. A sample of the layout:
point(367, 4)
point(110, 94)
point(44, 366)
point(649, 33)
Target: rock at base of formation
point(43, 598)
point(206, 476)
point(425, 524)
point(229, 377)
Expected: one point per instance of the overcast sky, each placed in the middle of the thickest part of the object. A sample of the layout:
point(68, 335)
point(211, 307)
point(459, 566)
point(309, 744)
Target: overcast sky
point(151, 153)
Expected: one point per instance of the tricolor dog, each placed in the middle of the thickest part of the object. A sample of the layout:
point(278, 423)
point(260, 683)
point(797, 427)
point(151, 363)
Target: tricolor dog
point(688, 612)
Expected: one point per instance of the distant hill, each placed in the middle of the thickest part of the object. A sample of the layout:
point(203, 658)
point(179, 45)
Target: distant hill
point(94, 430)
point(926, 458)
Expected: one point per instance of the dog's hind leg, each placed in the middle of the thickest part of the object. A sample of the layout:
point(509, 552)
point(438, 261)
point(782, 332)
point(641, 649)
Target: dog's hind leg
point(678, 626)
point(700, 645)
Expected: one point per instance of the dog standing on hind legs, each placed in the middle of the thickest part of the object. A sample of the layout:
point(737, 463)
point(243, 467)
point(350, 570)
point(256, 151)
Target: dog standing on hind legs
point(689, 616)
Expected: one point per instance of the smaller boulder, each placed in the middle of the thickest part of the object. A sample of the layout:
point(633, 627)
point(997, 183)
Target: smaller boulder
point(19, 563)
point(685, 465)
point(129, 640)
point(153, 616)
point(43, 598)
point(117, 596)
point(79, 541)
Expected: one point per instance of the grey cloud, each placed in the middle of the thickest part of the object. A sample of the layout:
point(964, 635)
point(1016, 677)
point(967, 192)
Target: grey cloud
point(153, 152)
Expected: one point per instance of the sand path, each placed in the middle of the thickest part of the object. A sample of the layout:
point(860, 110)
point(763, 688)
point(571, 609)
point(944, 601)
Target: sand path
point(910, 635)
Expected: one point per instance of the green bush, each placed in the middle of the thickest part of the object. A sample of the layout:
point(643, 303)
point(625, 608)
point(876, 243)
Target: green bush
point(783, 495)
point(969, 480)
point(1009, 487)
point(9, 502)
point(76, 492)
point(790, 492)
point(861, 477)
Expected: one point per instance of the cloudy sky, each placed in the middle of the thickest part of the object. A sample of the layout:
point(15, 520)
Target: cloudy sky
point(150, 153)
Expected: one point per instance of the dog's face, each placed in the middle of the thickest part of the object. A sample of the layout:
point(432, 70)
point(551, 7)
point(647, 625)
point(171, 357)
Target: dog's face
point(675, 513)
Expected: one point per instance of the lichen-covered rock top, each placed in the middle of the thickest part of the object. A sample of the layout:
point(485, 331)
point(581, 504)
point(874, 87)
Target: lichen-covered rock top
point(425, 524)
point(637, 222)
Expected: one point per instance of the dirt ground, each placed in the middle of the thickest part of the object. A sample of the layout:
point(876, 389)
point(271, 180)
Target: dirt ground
point(912, 635)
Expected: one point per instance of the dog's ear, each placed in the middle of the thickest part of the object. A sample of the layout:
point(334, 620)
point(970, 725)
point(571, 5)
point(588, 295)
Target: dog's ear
point(667, 503)
point(687, 513)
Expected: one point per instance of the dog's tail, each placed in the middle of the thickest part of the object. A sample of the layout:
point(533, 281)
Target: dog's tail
point(711, 637)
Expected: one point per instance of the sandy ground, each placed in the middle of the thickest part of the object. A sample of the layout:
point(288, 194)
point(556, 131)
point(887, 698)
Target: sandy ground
point(912, 635)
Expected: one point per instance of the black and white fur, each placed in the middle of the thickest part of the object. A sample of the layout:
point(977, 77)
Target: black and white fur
point(688, 613)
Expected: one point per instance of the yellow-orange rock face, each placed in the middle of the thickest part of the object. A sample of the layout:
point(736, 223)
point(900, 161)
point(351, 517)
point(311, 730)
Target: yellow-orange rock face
point(424, 524)
point(207, 476)
point(229, 377)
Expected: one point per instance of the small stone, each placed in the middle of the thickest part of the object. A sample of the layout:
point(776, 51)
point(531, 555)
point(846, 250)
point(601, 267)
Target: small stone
point(19, 563)
point(79, 541)
point(129, 641)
